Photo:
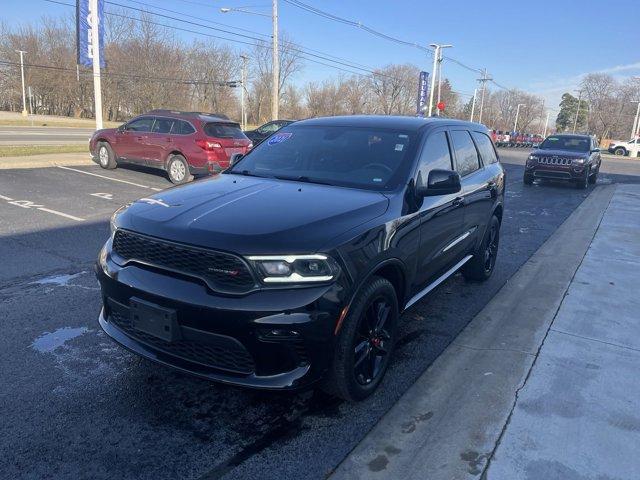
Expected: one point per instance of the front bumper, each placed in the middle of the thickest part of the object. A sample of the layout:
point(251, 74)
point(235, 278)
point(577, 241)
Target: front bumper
point(269, 339)
point(556, 172)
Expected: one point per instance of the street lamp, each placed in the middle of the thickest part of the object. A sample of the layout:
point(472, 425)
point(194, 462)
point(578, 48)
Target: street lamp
point(275, 68)
point(437, 58)
point(515, 125)
point(636, 121)
point(243, 112)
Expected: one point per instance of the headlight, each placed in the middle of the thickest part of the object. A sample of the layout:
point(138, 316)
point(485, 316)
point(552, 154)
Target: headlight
point(113, 222)
point(533, 157)
point(577, 161)
point(295, 268)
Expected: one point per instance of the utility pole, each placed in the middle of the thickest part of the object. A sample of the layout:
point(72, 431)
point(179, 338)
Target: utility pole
point(437, 59)
point(30, 101)
point(575, 122)
point(546, 124)
point(95, 54)
point(243, 112)
point(485, 78)
point(515, 125)
point(473, 105)
point(275, 88)
point(24, 96)
point(636, 121)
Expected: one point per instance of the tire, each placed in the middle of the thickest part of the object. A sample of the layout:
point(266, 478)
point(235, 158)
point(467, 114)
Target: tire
point(583, 183)
point(594, 177)
point(527, 179)
point(178, 170)
point(481, 266)
point(352, 380)
point(106, 157)
point(621, 151)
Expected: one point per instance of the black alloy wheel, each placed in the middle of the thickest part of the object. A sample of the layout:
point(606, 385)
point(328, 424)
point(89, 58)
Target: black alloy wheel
point(481, 266)
point(372, 342)
point(365, 342)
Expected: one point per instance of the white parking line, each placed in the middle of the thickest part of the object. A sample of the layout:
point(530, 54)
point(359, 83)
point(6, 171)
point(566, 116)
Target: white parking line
point(66, 215)
point(111, 178)
point(28, 204)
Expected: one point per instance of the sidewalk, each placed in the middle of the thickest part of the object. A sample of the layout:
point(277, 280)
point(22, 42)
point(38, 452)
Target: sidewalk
point(543, 383)
point(46, 160)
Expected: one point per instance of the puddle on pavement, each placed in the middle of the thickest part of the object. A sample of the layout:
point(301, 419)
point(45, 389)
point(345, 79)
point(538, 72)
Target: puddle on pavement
point(48, 342)
point(59, 280)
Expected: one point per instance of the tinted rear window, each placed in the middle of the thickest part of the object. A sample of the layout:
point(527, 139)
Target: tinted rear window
point(180, 127)
point(223, 130)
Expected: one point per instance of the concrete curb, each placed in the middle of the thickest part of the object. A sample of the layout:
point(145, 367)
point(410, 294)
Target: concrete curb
point(447, 424)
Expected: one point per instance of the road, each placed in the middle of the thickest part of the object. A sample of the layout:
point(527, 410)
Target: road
point(75, 405)
point(44, 135)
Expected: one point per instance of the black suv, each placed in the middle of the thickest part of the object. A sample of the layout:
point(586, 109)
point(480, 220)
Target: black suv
point(294, 265)
point(575, 158)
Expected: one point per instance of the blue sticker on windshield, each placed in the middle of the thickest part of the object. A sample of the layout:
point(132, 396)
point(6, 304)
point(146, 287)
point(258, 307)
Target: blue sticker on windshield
point(279, 138)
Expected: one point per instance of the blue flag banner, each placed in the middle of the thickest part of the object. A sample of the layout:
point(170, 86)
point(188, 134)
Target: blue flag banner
point(423, 89)
point(85, 34)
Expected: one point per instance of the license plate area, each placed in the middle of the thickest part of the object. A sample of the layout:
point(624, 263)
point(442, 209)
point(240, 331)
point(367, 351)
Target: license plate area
point(154, 320)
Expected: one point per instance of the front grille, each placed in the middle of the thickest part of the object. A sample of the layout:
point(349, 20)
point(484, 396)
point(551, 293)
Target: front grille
point(218, 351)
point(223, 272)
point(554, 160)
point(552, 174)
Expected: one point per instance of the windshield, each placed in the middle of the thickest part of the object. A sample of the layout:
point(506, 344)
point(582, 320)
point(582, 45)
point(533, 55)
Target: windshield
point(572, 144)
point(376, 159)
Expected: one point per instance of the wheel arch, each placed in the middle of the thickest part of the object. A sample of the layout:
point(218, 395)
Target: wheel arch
point(170, 154)
point(391, 269)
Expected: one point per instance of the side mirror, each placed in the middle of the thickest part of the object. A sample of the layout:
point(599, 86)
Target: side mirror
point(440, 182)
point(122, 128)
point(235, 158)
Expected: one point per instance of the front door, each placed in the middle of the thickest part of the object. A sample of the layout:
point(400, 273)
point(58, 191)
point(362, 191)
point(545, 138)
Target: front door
point(158, 141)
point(131, 140)
point(441, 217)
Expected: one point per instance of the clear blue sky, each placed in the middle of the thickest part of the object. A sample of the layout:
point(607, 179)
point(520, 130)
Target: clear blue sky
point(542, 47)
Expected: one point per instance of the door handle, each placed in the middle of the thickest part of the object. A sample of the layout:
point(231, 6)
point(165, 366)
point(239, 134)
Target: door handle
point(458, 202)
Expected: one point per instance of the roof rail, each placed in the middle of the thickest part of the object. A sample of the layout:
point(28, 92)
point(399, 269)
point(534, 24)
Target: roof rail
point(162, 111)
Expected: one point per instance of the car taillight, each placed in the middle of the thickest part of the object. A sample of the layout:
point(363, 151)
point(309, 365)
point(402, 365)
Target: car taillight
point(208, 145)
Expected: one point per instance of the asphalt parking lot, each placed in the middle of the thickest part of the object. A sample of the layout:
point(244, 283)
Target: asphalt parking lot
point(77, 406)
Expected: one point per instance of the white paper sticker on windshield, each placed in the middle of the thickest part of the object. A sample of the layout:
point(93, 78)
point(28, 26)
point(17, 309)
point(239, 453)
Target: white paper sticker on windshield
point(377, 179)
point(399, 147)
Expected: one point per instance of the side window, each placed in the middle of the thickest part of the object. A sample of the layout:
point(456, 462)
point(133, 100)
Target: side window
point(162, 125)
point(435, 155)
point(485, 146)
point(180, 127)
point(466, 154)
point(269, 128)
point(140, 125)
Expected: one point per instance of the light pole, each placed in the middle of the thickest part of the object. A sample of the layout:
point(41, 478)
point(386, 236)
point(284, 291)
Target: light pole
point(515, 124)
point(436, 60)
point(24, 96)
point(440, 74)
point(636, 121)
point(546, 124)
point(473, 105)
point(275, 61)
point(575, 122)
point(243, 112)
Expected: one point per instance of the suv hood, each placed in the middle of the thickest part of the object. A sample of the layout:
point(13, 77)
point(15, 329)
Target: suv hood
point(249, 215)
point(559, 153)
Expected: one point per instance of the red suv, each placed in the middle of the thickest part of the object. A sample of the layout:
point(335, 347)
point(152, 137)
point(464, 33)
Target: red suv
point(181, 143)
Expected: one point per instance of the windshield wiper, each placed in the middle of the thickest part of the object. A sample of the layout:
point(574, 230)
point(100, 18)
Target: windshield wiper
point(303, 178)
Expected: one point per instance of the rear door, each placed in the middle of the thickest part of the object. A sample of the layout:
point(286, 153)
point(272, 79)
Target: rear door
point(441, 217)
point(158, 141)
point(476, 186)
